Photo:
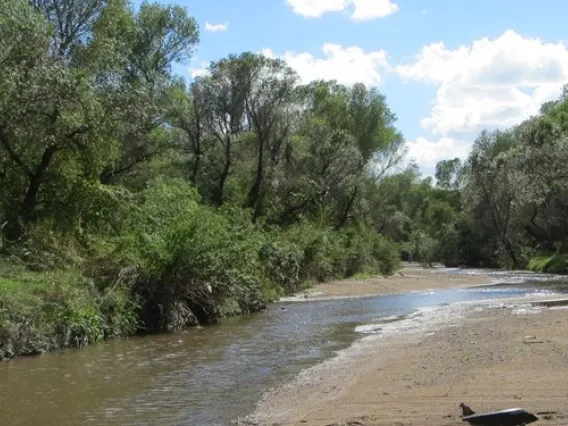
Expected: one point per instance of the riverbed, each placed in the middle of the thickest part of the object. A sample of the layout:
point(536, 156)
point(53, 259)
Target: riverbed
point(212, 375)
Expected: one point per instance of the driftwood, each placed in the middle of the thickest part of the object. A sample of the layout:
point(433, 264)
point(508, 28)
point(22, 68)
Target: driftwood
point(510, 417)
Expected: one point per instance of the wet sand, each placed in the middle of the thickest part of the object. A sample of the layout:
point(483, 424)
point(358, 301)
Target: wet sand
point(409, 278)
point(491, 356)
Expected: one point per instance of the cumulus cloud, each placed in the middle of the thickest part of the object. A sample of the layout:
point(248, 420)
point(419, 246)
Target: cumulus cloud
point(347, 65)
point(492, 83)
point(427, 153)
point(361, 10)
point(200, 70)
point(216, 28)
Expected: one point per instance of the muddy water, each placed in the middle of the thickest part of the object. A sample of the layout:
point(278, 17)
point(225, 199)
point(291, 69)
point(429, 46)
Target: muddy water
point(204, 376)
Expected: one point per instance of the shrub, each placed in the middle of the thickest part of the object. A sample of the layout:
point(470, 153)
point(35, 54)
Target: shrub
point(424, 247)
point(553, 264)
point(203, 267)
point(45, 311)
point(282, 264)
point(323, 251)
point(387, 254)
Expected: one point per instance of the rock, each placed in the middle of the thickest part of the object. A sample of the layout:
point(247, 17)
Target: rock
point(466, 410)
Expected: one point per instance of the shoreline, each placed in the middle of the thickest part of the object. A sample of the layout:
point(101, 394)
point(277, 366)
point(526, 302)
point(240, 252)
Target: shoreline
point(417, 370)
point(409, 279)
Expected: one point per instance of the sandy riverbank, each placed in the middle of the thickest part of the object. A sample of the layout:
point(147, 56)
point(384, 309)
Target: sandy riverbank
point(409, 278)
point(417, 372)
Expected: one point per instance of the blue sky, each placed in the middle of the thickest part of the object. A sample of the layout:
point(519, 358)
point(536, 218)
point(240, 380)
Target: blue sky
point(447, 68)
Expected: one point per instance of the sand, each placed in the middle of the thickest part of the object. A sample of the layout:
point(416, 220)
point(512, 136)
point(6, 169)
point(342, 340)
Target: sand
point(491, 355)
point(409, 278)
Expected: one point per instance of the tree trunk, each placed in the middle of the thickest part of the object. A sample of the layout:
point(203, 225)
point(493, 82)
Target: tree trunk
point(15, 225)
point(219, 192)
point(30, 200)
point(345, 214)
point(195, 168)
point(254, 195)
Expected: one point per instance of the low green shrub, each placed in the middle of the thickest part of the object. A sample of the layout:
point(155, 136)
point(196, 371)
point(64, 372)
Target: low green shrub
point(282, 265)
point(46, 311)
point(203, 267)
point(387, 255)
point(552, 264)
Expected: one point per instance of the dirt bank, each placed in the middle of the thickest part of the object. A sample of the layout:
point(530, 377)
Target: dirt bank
point(495, 357)
point(409, 278)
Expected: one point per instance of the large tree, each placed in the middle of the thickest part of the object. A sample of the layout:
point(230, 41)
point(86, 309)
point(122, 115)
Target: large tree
point(83, 84)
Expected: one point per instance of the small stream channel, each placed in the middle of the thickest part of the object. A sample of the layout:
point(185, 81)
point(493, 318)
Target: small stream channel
point(210, 375)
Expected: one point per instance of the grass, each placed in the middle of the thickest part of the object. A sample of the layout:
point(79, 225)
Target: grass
point(51, 310)
point(363, 276)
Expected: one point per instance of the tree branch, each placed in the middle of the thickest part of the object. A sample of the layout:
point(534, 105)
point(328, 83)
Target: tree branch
point(4, 140)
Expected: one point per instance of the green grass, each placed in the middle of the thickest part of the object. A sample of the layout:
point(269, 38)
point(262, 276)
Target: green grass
point(363, 276)
point(50, 310)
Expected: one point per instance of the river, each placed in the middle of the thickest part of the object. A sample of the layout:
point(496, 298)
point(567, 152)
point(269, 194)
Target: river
point(210, 375)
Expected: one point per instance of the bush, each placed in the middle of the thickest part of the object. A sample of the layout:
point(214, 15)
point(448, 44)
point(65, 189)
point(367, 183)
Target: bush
point(323, 251)
point(371, 253)
point(424, 247)
point(46, 311)
point(282, 265)
point(387, 254)
point(201, 268)
point(169, 262)
point(552, 264)
point(360, 257)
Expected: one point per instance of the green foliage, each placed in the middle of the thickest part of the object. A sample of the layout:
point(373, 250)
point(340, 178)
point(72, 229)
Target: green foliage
point(387, 254)
point(133, 200)
point(425, 247)
point(449, 249)
point(516, 189)
point(553, 264)
point(449, 174)
point(45, 311)
point(202, 261)
point(282, 264)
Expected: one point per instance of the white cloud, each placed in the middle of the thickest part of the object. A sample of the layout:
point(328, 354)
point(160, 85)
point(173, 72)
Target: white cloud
point(347, 65)
point(427, 153)
point(362, 10)
point(216, 28)
point(200, 70)
point(490, 83)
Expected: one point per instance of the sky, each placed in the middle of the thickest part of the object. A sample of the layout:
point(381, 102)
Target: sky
point(448, 68)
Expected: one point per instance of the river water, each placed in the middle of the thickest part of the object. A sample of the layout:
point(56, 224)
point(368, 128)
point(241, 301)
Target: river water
point(211, 375)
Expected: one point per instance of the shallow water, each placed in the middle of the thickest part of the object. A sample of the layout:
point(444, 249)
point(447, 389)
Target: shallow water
point(209, 375)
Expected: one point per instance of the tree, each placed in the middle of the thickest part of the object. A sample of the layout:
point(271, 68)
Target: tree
point(269, 109)
point(83, 82)
point(449, 174)
point(157, 37)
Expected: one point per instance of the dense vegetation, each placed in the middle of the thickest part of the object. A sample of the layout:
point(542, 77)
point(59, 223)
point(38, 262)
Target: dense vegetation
point(133, 200)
